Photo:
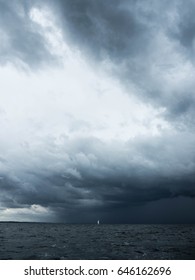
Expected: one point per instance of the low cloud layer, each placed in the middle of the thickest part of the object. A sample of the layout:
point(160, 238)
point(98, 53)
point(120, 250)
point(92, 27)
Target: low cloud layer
point(97, 111)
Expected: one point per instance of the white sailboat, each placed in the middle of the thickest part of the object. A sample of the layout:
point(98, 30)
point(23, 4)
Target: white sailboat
point(98, 222)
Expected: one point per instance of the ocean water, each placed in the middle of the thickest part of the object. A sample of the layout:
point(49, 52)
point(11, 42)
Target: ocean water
point(44, 241)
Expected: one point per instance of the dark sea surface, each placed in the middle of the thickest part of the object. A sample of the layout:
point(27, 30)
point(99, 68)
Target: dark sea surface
point(44, 241)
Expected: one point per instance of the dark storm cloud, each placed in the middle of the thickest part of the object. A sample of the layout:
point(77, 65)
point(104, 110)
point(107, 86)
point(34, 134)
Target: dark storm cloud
point(185, 33)
point(140, 40)
point(104, 28)
point(96, 183)
point(20, 40)
point(149, 44)
point(146, 41)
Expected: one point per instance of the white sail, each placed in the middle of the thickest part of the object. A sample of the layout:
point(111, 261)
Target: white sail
point(98, 222)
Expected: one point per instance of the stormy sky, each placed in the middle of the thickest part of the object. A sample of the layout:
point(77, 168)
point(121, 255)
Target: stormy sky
point(97, 111)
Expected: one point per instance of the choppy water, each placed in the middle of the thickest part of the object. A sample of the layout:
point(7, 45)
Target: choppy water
point(62, 241)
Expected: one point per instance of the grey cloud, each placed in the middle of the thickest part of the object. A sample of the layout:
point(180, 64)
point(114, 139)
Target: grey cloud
point(20, 40)
point(145, 46)
point(132, 176)
point(84, 179)
point(184, 32)
point(103, 27)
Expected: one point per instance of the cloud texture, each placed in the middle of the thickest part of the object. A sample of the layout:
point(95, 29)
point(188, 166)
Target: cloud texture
point(97, 111)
